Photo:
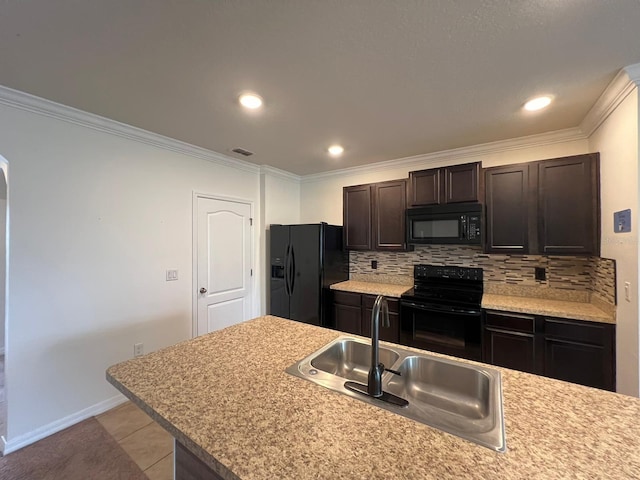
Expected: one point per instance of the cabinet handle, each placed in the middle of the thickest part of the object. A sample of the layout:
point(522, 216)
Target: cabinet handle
point(509, 314)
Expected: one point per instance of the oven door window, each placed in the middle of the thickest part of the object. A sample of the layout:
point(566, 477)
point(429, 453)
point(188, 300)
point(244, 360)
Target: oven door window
point(439, 228)
point(443, 332)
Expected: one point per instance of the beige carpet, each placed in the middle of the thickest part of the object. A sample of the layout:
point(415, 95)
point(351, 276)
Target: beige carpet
point(81, 452)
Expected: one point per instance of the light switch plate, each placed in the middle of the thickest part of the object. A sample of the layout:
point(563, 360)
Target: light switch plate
point(172, 275)
point(622, 221)
point(627, 291)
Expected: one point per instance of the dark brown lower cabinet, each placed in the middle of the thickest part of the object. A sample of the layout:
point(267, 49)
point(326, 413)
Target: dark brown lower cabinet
point(190, 467)
point(510, 341)
point(352, 314)
point(580, 352)
point(571, 350)
point(390, 334)
point(347, 312)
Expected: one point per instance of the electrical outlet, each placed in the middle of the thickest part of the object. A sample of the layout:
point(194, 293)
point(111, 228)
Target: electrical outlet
point(541, 274)
point(627, 291)
point(172, 275)
point(374, 264)
point(138, 349)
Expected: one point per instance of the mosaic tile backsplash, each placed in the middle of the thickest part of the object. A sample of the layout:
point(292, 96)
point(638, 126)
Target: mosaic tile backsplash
point(593, 274)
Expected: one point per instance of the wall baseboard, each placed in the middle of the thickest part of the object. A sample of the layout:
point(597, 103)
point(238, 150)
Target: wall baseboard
point(28, 438)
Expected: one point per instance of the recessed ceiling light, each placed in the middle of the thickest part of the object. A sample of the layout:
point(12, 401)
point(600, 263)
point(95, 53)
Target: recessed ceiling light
point(537, 103)
point(250, 100)
point(335, 150)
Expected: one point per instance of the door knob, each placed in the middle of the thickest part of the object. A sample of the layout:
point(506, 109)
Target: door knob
point(203, 290)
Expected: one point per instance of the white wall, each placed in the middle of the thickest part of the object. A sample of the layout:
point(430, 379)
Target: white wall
point(617, 141)
point(280, 200)
point(321, 197)
point(96, 219)
point(3, 252)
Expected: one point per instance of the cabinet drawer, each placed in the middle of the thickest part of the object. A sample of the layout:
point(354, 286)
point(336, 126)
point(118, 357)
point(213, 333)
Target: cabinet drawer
point(369, 300)
point(346, 298)
point(511, 321)
point(592, 333)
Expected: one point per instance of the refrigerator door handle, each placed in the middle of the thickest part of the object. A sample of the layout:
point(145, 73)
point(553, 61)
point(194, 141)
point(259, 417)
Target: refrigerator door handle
point(293, 269)
point(286, 272)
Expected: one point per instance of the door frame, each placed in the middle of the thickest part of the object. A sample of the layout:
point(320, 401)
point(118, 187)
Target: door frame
point(194, 253)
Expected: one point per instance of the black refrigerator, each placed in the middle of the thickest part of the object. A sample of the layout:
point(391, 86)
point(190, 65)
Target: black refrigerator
point(305, 260)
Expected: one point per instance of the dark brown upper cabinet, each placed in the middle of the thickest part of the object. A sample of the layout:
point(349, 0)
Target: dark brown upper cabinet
point(546, 207)
point(357, 213)
point(568, 205)
point(454, 184)
point(507, 201)
point(374, 216)
point(389, 220)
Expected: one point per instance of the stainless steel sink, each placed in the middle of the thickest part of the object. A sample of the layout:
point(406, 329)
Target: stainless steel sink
point(350, 359)
point(457, 397)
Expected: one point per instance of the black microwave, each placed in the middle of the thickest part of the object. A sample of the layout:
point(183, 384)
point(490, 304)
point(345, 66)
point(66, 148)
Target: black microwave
point(445, 224)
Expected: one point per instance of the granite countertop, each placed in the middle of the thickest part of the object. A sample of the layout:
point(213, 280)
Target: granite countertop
point(227, 398)
point(579, 308)
point(386, 289)
point(543, 306)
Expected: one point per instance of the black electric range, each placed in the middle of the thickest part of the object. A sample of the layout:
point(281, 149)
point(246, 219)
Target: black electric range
point(442, 313)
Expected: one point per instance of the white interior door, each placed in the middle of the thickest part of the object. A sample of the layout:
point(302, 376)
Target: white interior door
point(223, 263)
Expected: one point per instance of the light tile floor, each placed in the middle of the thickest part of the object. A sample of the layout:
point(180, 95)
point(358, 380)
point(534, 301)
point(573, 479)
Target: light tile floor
point(148, 444)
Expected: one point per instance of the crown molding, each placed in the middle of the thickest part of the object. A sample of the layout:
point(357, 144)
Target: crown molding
point(282, 174)
point(618, 89)
point(633, 71)
point(41, 106)
point(420, 161)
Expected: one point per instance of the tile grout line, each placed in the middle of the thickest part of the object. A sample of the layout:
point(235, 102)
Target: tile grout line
point(119, 442)
point(128, 435)
point(168, 454)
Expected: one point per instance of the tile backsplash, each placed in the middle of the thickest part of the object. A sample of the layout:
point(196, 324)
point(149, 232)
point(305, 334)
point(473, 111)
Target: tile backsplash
point(592, 274)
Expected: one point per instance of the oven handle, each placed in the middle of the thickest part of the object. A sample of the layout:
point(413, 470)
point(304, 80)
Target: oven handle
point(439, 308)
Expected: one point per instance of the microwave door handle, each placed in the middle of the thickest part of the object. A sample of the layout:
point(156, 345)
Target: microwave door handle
point(464, 230)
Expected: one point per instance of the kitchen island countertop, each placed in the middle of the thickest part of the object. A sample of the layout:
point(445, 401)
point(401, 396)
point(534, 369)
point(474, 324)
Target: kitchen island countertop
point(227, 398)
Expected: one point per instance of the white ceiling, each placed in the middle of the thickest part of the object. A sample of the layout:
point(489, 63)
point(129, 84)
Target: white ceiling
point(387, 79)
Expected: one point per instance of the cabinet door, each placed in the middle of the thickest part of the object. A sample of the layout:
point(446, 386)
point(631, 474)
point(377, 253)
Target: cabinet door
point(568, 205)
point(347, 311)
point(580, 352)
point(507, 199)
point(425, 187)
point(357, 217)
point(461, 183)
point(348, 318)
point(510, 341)
point(389, 334)
point(576, 362)
point(390, 203)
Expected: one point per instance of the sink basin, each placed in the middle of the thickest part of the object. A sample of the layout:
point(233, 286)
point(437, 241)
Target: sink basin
point(350, 359)
point(457, 397)
point(454, 388)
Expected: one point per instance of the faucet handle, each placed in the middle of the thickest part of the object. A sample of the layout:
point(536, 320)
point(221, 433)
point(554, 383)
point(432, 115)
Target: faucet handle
point(395, 372)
